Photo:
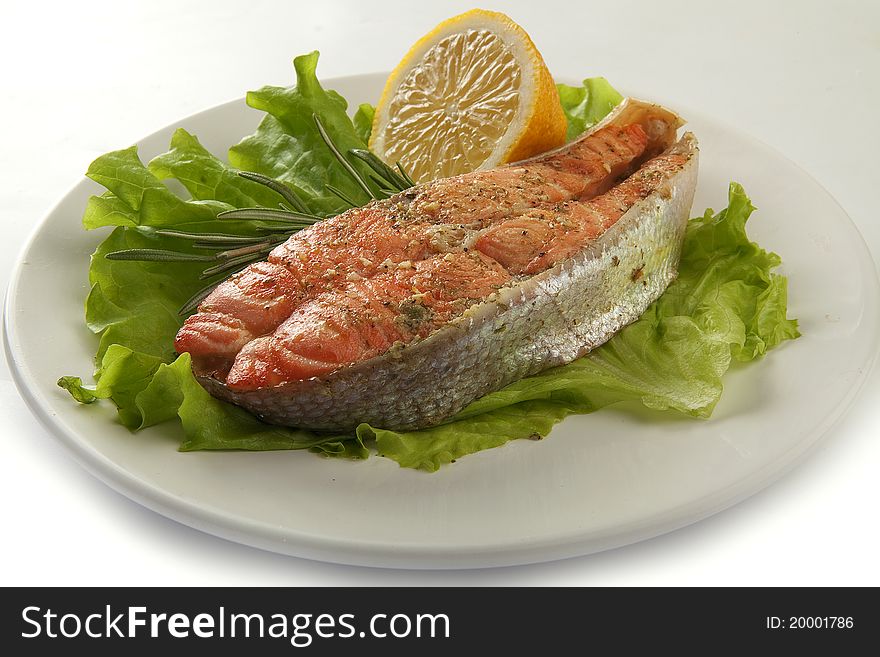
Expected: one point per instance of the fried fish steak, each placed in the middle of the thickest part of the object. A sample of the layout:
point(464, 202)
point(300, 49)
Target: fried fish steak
point(402, 312)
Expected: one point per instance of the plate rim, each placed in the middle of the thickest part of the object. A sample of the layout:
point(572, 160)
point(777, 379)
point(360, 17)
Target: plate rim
point(294, 542)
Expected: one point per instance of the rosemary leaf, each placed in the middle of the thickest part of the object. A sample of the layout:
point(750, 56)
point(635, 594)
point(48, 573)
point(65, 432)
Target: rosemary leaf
point(345, 163)
point(405, 175)
point(285, 230)
point(340, 194)
point(270, 214)
point(193, 302)
point(216, 246)
point(157, 255)
point(245, 250)
point(209, 237)
point(385, 172)
point(265, 239)
point(231, 264)
point(276, 186)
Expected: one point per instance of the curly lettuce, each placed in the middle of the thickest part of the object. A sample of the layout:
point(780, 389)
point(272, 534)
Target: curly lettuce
point(586, 105)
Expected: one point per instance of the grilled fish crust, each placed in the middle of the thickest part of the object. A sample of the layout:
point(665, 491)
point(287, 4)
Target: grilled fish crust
point(547, 320)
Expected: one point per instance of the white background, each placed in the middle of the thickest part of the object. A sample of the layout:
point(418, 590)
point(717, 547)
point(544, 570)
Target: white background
point(79, 79)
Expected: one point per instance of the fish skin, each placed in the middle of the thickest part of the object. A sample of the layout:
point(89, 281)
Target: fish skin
point(543, 321)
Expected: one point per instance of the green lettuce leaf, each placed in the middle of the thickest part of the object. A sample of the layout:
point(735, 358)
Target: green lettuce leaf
point(586, 105)
point(206, 177)
point(136, 197)
point(363, 121)
point(148, 391)
point(288, 147)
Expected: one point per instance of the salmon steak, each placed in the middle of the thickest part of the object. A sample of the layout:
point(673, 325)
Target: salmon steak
point(402, 312)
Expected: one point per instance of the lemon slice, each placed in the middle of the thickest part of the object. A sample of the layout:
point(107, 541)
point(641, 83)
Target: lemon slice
point(472, 94)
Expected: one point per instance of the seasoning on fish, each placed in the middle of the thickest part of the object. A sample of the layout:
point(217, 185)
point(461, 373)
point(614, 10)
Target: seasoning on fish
point(402, 312)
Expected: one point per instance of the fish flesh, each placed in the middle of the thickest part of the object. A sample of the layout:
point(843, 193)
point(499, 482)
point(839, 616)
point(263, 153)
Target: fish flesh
point(402, 312)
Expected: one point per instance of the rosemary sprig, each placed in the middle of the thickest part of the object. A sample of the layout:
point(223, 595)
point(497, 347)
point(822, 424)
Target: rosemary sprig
point(390, 182)
point(234, 252)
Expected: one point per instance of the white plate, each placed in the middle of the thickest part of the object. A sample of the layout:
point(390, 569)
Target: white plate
point(598, 481)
